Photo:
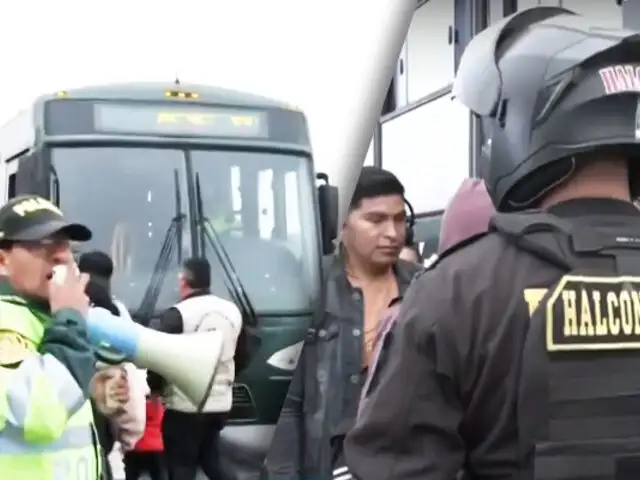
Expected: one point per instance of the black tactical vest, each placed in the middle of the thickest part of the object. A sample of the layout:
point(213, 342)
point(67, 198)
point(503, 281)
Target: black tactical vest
point(579, 399)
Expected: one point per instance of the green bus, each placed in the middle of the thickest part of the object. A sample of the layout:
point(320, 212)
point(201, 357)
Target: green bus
point(161, 172)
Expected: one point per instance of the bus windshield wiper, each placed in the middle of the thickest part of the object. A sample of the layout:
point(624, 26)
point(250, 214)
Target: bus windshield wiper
point(232, 281)
point(172, 239)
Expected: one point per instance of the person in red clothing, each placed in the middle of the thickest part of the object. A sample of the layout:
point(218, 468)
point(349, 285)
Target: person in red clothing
point(148, 454)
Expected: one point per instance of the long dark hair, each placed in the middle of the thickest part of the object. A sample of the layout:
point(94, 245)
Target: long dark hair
point(100, 268)
point(99, 295)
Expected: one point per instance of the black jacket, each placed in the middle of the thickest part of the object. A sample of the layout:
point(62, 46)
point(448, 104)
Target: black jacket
point(323, 397)
point(445, 399)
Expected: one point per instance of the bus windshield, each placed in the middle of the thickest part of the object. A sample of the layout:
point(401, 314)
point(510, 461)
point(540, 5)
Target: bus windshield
point(260, 205)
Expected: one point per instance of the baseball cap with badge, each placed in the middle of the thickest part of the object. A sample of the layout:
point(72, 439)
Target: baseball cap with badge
point(29, 218)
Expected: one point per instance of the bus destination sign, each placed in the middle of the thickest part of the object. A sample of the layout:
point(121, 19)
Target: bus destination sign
point(173, 120)
point(170, 118)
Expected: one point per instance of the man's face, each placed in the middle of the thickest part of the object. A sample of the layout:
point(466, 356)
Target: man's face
point(375, 231)
point(29, 265)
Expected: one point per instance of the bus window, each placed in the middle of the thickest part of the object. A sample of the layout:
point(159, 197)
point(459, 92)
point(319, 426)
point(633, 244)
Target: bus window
point(266, 219)
point(274, 263)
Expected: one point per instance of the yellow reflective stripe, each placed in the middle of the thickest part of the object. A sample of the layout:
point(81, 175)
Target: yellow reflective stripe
point(71, 438)
point(42, 396)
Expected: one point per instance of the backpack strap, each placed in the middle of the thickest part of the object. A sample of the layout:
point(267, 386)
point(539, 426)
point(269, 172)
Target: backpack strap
point(549, 238)
point(574, 245)
point(544, 236)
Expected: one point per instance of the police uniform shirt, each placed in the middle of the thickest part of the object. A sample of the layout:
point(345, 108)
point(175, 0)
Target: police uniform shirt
point(444, 398)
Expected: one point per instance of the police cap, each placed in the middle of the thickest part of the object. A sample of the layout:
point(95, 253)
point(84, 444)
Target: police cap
point(32, 218)
point(548, 85)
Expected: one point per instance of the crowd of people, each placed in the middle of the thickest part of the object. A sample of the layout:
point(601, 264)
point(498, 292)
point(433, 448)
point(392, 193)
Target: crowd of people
point(58, 389)
point(146, 426)
point(514, 354)
point(178, 438)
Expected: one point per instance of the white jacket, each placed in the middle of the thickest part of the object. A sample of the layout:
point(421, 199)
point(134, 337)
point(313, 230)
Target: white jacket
point(202, 314)
point(124, 313)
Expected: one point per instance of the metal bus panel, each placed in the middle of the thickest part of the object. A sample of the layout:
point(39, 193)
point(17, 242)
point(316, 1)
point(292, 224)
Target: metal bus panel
point(164, 111)
point(149, 91)
point(17, 135)
point(428, 149)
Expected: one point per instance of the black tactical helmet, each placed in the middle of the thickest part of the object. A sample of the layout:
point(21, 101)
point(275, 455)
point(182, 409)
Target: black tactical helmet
point(547, 85)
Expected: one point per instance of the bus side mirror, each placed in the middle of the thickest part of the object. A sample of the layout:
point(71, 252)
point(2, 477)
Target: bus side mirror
point(328, 202)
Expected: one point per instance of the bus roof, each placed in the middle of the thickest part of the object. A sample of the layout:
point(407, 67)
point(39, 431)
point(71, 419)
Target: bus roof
point(156, 91)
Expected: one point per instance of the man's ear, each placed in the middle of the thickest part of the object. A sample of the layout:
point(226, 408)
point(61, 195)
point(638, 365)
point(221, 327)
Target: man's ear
point(341, 237)
point(5, 263)
point(182, 280)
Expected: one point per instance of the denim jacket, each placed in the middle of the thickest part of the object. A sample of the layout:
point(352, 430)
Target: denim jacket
point(324, 394)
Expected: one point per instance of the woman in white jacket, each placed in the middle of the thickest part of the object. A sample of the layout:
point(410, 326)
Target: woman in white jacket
point(124, 404)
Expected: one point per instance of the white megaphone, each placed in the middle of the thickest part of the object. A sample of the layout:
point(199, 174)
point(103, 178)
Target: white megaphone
point(188, 361)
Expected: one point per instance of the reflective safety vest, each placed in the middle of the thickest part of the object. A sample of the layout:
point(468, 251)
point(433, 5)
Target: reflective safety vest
point(46, 426)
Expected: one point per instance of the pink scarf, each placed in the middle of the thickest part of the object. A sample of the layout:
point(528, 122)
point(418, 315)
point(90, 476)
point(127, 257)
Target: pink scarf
point(468, 213)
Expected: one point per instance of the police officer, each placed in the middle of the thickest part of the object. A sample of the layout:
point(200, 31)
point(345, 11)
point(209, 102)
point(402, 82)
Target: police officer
point(46, 363)
point(517, 354)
